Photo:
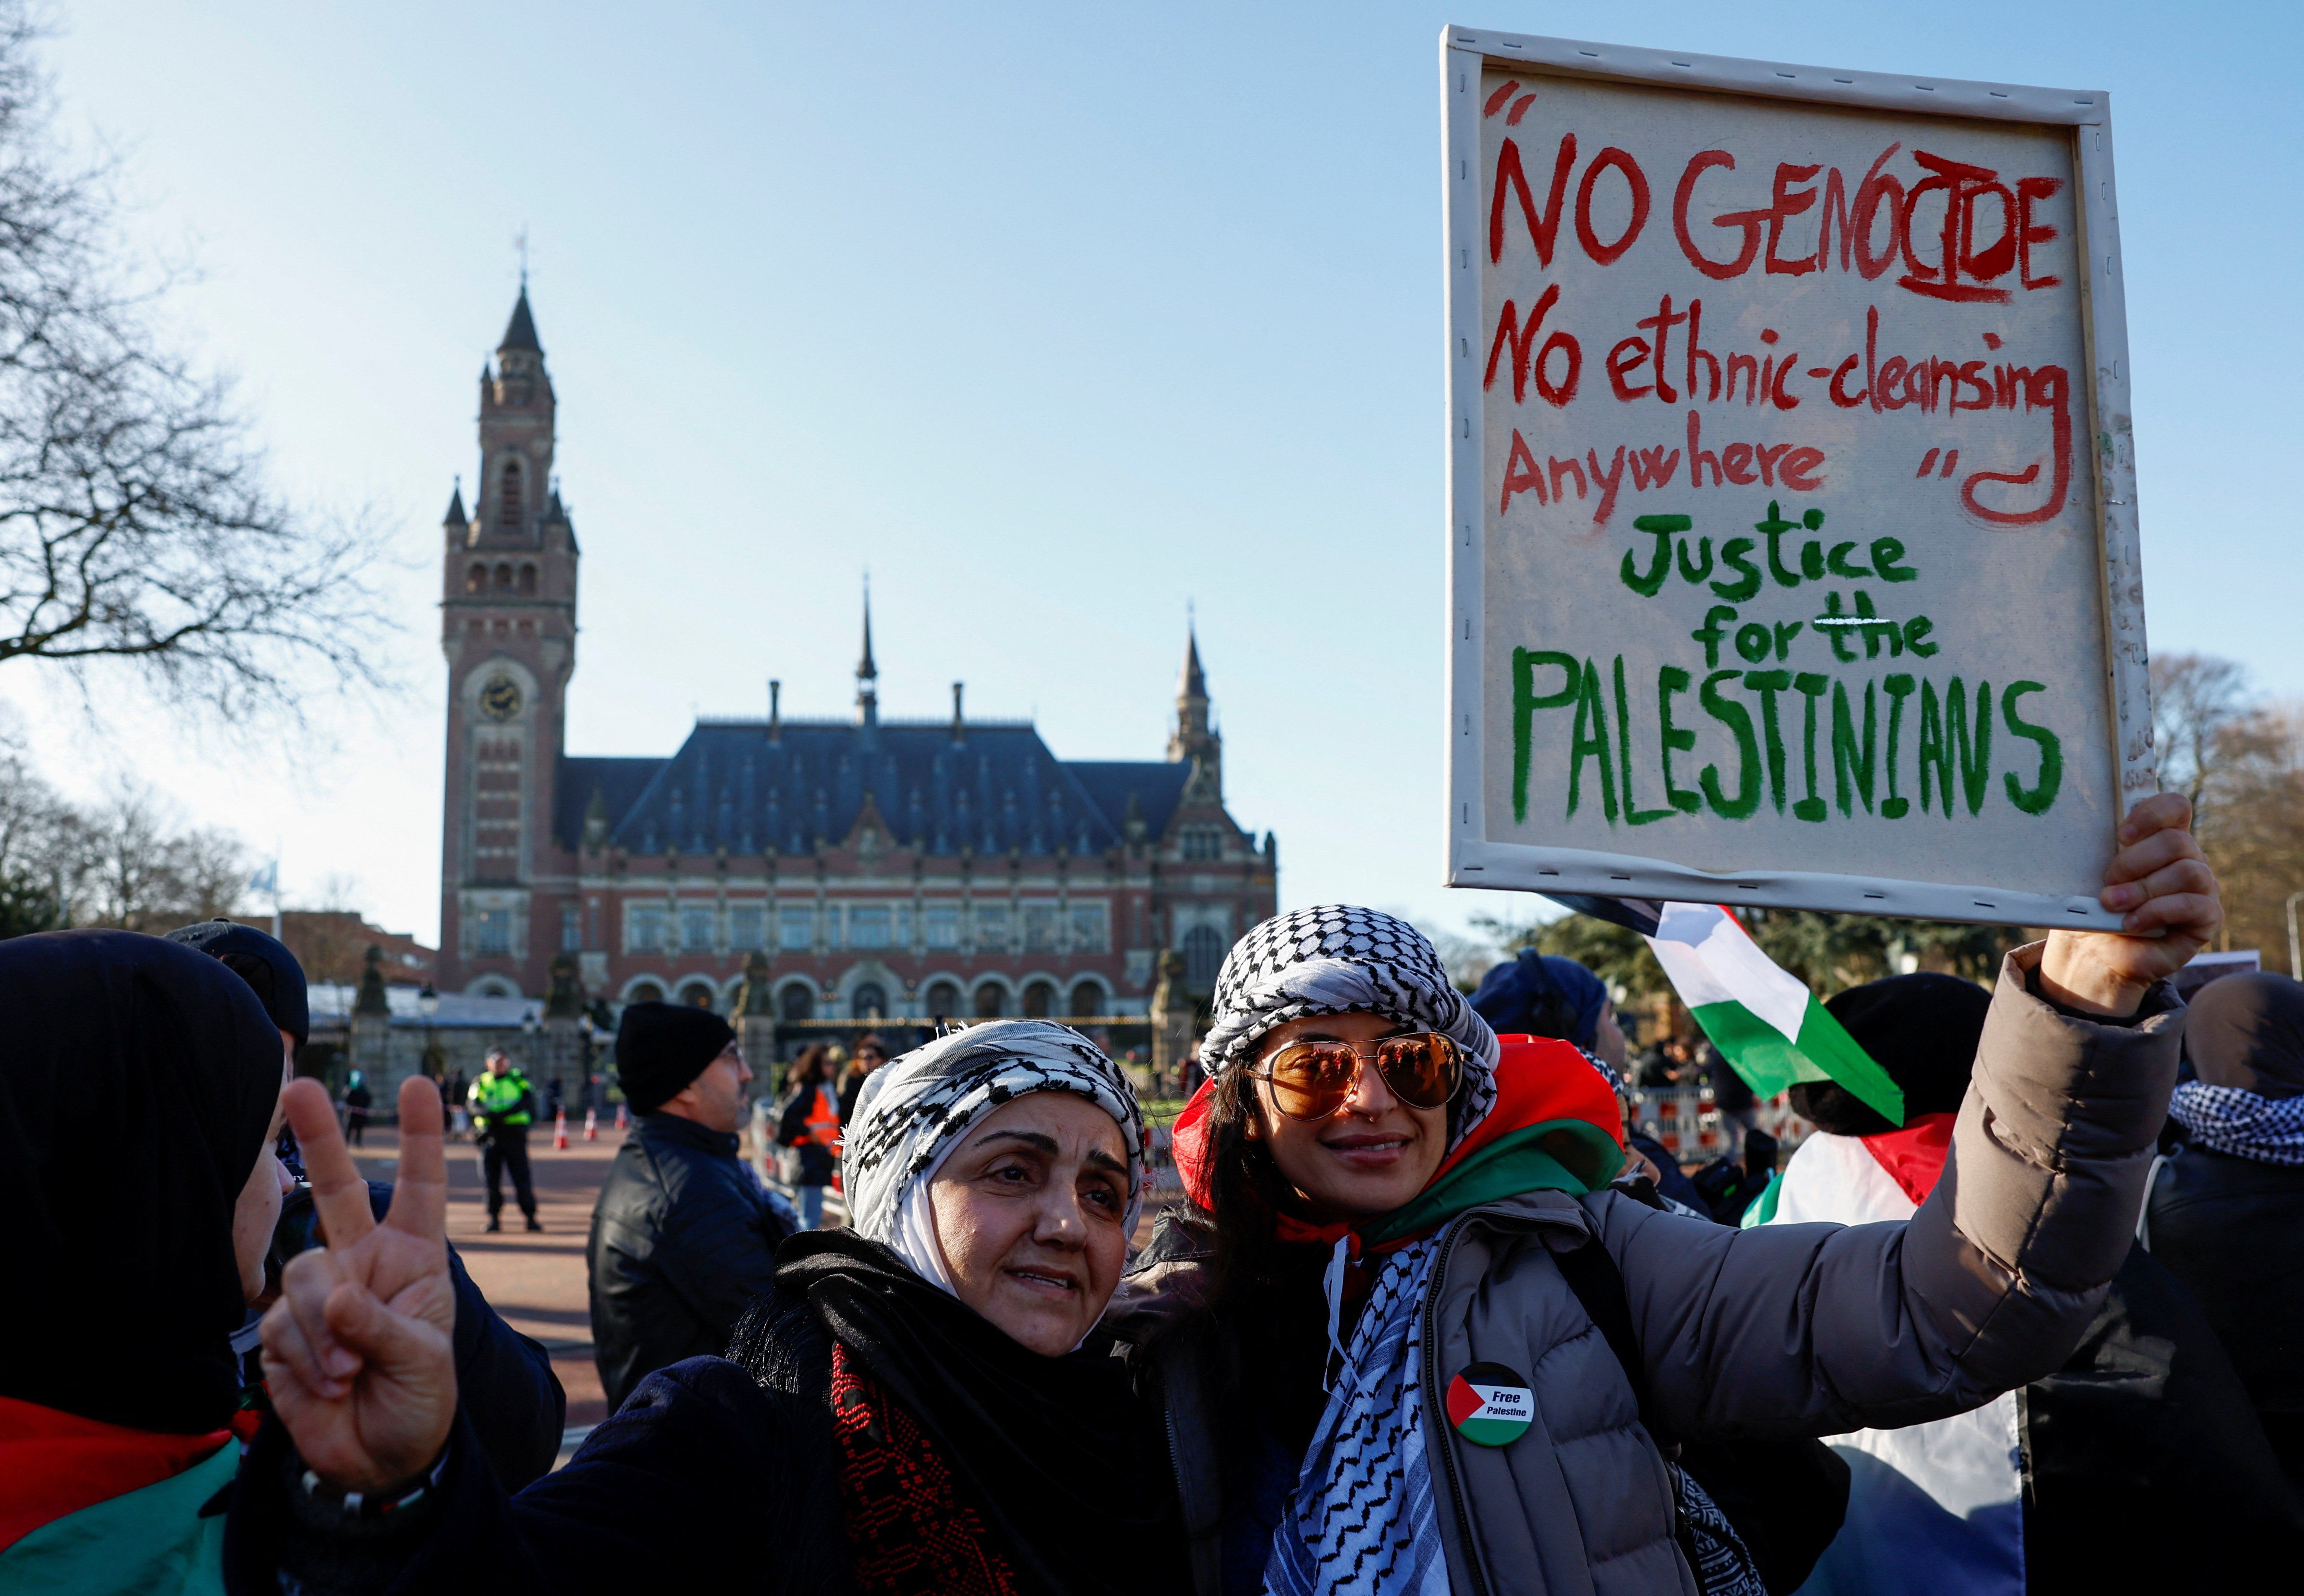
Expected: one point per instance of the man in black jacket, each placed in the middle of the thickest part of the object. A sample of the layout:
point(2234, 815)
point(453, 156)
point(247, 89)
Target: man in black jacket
point(684, 1236)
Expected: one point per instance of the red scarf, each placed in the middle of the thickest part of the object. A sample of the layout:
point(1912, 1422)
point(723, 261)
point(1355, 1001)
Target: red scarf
point(54, 1463)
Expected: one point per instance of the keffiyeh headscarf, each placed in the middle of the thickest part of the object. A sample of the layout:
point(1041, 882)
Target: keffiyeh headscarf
point(915, 1109)
point(1337, 959)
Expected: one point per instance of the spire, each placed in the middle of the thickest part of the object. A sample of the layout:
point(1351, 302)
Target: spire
point(1195, 737)
point(456, 516)
point(1194, 685)
point(867, 675)
point(519, 332)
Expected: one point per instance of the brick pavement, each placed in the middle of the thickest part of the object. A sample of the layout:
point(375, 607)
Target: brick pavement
point(537, 1282)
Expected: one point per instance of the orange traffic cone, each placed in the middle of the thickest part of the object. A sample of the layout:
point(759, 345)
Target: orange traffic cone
point(592, 1125)
point(559, 1130)
point(621, 1122)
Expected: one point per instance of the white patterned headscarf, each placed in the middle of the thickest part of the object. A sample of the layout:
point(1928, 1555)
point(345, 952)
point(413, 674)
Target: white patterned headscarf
point(1337, 959)
point(914, 1111)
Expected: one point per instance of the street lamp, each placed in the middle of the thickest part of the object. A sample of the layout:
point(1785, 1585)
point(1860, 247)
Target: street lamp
point(528, 1026)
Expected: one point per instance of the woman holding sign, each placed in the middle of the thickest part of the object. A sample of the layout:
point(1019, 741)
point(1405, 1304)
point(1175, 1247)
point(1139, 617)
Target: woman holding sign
point(1441, 1353)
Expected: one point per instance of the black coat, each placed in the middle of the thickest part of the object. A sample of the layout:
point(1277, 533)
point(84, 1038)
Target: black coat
point(711, 1478)
point(505, 1382)
point(2233, 1230)
point(2144, 1469)
point(683, 1238)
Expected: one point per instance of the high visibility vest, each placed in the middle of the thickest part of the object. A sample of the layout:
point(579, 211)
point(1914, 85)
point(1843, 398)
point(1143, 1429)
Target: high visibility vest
point(824, 1120)
point(492, 1098)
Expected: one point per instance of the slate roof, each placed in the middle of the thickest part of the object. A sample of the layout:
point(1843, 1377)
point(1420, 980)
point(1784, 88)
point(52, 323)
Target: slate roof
point(519, 332)
point(729, 786)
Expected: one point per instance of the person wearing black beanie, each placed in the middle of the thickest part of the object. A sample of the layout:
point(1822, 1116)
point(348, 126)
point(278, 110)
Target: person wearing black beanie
point(662, 1047)
point(264, 963)
point(683, 1236)
point(1923, 1029)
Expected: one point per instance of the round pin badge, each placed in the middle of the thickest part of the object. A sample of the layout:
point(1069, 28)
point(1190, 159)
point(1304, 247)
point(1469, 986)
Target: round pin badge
point(1490, 1405)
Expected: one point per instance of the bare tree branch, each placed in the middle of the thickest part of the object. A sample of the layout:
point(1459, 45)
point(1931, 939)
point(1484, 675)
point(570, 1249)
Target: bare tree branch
point(137, 522)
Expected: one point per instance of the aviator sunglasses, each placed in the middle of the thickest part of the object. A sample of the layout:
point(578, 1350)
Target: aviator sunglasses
point(1310, 1080)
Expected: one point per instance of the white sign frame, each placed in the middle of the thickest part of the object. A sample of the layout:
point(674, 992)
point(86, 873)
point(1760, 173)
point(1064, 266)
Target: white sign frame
point(1475, 860)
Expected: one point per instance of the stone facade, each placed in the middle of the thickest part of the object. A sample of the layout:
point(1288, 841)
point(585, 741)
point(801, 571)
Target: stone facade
point(854, 869)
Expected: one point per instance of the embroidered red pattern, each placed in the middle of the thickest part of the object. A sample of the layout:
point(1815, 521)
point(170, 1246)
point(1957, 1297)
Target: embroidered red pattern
point(908, 1529)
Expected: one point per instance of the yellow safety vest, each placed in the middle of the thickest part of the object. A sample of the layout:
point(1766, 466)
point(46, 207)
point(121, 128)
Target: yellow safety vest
point(492, 1097)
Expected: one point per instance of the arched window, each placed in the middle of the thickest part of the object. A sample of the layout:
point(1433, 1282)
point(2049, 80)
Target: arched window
point(944, 1000)
point(1039, 998)
point(989, 1000)
point(648, 991)
point(1204, 951)
point(510, 509)
point(1088, 998)
point(528, 579)
point(504, 579)
point(698, 993)
point(476, 579)
point(869, 1001)
point(796, 1003)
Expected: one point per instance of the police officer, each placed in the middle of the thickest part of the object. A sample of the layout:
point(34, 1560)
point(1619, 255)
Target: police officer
point(503, 1104)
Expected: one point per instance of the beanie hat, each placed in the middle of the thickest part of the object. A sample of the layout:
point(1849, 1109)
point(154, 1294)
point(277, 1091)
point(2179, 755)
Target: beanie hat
point(1543, 995)
point(662, 1047)
point(1924, 1030)
point(2247, 1031)
point(264, 963)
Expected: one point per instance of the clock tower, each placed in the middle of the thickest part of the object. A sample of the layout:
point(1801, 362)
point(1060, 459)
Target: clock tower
point(508, 627)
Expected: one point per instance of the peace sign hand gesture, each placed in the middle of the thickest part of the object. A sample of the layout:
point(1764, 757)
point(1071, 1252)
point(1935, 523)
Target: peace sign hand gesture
point(357, 1353)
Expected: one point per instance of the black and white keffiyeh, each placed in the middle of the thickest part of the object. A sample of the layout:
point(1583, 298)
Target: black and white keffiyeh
point(1337, 959)
point(2246, 1124)
point(915, 1108)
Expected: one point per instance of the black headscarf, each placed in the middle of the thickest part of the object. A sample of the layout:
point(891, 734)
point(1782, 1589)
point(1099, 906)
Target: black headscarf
point(1923, 1029)
point(1057, 1448)
point(2247, 1031)
point(137, 1078)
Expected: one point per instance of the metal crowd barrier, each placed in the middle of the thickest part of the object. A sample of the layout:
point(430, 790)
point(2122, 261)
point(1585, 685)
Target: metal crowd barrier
point(1686, 1121)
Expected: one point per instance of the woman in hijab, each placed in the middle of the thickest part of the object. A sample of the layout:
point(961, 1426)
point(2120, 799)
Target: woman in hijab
point(920, 1405)
point(2226, 1211)
point(1444, 1354)
point(139, 1082)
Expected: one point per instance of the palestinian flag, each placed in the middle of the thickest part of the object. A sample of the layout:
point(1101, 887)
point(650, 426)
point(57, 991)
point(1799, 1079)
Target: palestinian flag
point(1764, 1020)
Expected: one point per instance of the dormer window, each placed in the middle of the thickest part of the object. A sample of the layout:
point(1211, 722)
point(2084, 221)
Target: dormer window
point(510, 504)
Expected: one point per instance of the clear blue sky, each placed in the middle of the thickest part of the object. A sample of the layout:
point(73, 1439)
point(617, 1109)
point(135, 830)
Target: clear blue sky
point(1057, 317)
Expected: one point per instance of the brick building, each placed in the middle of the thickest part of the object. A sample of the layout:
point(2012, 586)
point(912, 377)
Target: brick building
point(856, 868)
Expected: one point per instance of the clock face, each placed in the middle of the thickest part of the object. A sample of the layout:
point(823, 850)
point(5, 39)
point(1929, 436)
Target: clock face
point(500, 699)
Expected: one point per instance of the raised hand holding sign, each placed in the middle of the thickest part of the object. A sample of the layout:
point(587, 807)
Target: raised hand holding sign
point(358, 1352)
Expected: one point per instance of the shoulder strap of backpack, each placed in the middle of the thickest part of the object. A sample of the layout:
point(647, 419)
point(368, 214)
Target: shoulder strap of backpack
point(1592, 1274)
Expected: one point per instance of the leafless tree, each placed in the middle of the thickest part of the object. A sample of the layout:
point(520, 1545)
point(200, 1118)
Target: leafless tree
point(138, 871)
point(2195, 700)
point(137, 524)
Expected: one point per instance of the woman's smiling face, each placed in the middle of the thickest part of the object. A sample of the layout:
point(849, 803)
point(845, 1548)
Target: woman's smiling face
point(1374, 1154)
point(1029, 1211)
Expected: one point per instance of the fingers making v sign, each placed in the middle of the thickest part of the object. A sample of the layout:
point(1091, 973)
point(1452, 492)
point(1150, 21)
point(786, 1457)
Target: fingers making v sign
point(358, 1352)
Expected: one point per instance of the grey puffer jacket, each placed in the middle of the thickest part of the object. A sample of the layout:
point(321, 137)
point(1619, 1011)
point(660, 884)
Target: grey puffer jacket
point(1781, 1331)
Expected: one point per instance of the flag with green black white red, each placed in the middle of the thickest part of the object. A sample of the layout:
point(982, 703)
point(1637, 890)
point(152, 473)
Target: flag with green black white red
point(1764, 1021)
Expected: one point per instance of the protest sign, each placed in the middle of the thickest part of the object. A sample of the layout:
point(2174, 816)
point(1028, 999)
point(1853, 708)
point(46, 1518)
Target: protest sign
point(1792, 510)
